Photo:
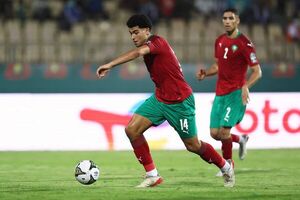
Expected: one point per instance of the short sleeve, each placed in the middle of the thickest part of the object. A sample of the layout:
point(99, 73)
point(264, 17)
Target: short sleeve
point(156, 45)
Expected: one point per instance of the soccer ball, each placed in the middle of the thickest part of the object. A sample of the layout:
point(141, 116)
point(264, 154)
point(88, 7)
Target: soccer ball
point(87, 172)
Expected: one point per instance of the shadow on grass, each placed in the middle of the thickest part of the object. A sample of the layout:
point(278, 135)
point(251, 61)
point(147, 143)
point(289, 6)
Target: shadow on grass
point(252, 170)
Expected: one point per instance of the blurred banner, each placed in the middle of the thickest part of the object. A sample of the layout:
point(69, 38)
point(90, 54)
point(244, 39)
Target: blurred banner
point(97, 121)
point(129, 78)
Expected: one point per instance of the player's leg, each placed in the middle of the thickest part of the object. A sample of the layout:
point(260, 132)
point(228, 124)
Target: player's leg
point(182, 118)
point(225, 136)
point(217, 117)
point(214, 133)
point(135, 129)
point(234, 114)
point(145, 116)
point(235, 138)
point(243, 149)
point(242, 141)
point(210, 155)
point(204, 150)
point(231, 113)
point(218, 132)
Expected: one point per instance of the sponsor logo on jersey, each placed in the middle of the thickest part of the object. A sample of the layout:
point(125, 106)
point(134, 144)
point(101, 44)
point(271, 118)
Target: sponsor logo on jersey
point(253, 57)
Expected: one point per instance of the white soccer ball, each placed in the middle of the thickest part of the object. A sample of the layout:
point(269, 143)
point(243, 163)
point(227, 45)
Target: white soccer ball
point(87, 172)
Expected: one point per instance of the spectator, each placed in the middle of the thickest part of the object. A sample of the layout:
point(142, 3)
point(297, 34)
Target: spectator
point(41, 10)
point(6, 9)
point(70, 15)
point(94, 9)
point(209, 8)
point(240, 5)
point(183, 9)
point(293, 31)
point(147, 7)
point(129, 5)
point(166, 8)
point(21, 11)
point(264, 13)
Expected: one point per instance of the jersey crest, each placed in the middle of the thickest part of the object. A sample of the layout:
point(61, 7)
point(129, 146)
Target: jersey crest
point(234, 48)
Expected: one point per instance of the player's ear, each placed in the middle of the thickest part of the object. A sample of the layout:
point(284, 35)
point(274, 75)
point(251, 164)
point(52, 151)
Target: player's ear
point(148, 29)
point(237, 20)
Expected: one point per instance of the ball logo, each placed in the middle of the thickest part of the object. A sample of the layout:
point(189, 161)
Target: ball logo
point(78, 171)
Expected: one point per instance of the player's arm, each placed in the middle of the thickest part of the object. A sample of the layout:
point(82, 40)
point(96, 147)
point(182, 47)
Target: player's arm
point(253, 78)
point(126, 57)
point(212, 70)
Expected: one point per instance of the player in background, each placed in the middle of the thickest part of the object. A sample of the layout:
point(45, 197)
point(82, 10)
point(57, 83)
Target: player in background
point(173, 101)
point(234, 52)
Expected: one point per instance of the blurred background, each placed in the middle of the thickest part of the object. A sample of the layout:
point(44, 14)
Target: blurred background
point(55, 46)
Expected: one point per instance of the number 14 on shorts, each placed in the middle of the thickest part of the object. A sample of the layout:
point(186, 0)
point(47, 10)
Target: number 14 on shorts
point(184, 125)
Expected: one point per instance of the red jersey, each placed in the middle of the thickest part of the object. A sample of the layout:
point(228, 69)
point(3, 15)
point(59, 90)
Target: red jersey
point(165, 71)
point(233, 55)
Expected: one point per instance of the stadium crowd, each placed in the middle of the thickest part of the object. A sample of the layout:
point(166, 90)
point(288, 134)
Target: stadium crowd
point(274, 26)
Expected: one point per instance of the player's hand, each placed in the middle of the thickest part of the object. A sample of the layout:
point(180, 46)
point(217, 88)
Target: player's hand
point(201, 74)
point(102, 70)
point(245, 95)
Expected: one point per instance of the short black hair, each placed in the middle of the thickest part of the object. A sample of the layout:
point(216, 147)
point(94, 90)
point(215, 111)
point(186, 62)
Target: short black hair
point(140, 20)
point(233, 10)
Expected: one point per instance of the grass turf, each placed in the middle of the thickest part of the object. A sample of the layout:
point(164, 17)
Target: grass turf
point(264, 174)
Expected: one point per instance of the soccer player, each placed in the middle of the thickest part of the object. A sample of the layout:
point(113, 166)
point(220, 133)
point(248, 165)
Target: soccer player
point(173, 101)
point(234, 52)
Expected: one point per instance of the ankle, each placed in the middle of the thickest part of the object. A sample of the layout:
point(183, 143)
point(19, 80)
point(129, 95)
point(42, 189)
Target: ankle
point(152, 173)
point(226, 167)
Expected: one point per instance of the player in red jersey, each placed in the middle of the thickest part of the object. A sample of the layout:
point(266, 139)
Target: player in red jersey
point(234, 52)
point(173, 101)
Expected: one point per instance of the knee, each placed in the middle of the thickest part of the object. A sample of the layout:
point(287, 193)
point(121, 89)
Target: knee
point(224, 134)
point(130, 132)
point(193, 147)
point(215, 135)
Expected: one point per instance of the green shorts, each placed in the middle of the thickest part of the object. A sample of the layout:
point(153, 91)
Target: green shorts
point(227, 110)
point(181, 116)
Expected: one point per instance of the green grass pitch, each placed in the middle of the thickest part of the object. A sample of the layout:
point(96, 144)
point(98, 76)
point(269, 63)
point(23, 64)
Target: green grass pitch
point(264, 174)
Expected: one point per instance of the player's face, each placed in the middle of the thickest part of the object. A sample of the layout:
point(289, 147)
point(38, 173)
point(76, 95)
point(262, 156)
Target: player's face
point(139, 36)
point(230, 21)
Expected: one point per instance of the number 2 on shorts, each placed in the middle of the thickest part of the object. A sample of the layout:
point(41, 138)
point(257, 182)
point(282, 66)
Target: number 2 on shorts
point(226, 118)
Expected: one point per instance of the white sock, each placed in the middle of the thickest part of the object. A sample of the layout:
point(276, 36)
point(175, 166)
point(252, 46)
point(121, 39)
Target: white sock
point(225, 167)
point(153, 172)
point(241, 139)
